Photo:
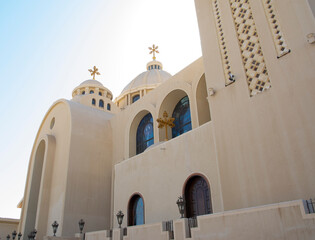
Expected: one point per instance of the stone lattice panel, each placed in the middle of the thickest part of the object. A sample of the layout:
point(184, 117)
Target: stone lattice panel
point(280, 44)
point(253, 59)
point(222, 43)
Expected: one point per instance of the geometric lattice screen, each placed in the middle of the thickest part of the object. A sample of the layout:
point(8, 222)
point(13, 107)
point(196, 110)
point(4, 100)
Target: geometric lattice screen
point(252, 56)
point(222, 43)
point(278, 39)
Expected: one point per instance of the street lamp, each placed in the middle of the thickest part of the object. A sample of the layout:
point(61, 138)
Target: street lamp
point(81, 225)
point(120, 217)
point(14, 235)
point(181, 206)
point(55, 227)
point(19, 235)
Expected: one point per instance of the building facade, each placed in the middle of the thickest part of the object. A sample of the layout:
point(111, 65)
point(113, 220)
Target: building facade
point(241, 152)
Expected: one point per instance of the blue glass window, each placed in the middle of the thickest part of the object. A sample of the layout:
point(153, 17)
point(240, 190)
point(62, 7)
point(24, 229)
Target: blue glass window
point(145, 136)
point(101, 103)
point(108, 106)
point(136, 211)
point(135, 98)
point(93, 101)
point(182, 117)
point(100, 93)
point(91, 91)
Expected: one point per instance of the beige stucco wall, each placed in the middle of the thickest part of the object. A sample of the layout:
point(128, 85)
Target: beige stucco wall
point(7, 226)
point(264, 143)
point(160, 172)
point(75, 178)
point(272, 222)
point(89, 170)
point(52, 174)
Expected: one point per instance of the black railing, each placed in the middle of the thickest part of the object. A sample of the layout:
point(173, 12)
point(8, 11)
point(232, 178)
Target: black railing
point(125, 231)
point(168, 226)
point(192, 223)
point(310, 206)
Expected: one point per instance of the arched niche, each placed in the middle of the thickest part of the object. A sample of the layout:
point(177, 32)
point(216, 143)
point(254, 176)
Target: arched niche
point(203, 108)
point(36, 179)
point(168, 104)
point(133, 131)
point(197, 196)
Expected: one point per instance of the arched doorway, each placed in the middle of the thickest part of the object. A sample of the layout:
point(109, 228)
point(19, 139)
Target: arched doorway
point(136, 211)
point(198, 197)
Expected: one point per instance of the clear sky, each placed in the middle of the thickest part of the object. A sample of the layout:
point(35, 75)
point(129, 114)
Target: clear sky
point(47, 47)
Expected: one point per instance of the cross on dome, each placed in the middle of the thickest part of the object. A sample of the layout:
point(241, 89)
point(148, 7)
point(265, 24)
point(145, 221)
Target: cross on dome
point(94, 72)
point(153, 50)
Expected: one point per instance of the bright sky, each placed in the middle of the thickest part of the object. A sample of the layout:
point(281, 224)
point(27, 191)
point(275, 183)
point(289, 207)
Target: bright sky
point(47, 47)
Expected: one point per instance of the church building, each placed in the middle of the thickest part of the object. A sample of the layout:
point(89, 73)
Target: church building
point(229, 139)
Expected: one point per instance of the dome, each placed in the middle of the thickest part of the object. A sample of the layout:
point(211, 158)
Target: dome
point(92, 85)
point(91, 82)
point(150, 78)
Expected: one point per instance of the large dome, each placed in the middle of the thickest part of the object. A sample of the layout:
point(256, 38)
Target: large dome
point(148, 79)
point(142, 84)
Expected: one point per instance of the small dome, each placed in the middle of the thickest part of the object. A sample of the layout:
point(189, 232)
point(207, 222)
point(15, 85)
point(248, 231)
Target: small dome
point(91, 82)
point(90, 86)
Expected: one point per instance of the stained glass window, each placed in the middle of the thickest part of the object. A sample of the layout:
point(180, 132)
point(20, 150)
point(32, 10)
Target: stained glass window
point(135, 98)
point(145, 137)
point(182, 117)
point(136, 211)
point(101, 103)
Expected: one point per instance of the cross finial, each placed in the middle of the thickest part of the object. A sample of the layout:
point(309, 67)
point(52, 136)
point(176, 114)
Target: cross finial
point(94, 71)
point(153, 50)
point(165, 123)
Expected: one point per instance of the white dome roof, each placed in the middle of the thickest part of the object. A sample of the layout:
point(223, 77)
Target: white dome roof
point(148, 78)
point(91, 82)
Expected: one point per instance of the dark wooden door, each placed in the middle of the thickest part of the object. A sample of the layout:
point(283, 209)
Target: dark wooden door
point(198, 199)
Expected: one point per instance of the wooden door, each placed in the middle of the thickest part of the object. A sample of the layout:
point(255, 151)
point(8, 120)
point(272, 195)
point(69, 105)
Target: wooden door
point(197, 196)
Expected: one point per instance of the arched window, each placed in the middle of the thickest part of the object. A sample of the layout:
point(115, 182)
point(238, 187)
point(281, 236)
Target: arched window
point(100, 93)
point(145, 137)
point(136, 211)
point(91, 91)
point(108, 106)
point(83, 92)
point(182, 117)
point(198, 197)
point(93, 101)
point(101, 103)
point(135, 98)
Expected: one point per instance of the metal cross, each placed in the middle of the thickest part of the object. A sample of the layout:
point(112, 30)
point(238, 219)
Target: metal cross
point(153, 50)
point(165, 123)
point(94, 71)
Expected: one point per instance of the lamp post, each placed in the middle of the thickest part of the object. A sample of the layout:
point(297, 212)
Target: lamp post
point(19, 235)
point(55, 227)
point(14, 235)
point(181, 206)
point(120, 217)
point(81, 225)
